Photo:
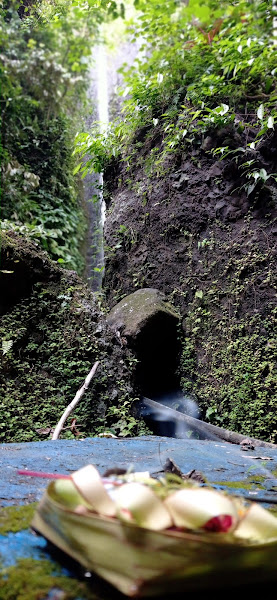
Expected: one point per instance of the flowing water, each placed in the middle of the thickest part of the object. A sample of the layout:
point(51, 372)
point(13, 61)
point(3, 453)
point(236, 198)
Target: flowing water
point(103, 97)
point(93, 182)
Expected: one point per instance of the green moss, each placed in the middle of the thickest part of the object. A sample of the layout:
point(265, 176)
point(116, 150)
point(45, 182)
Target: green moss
point(234, 484)
point(254, 481)
point(229, 356)
point(16, 518)
point(58, 330)
point(32, 579)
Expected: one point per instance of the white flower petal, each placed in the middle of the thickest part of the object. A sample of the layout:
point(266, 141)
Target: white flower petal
point(258, 524)
point(139, 504)
point(193, 508)
point(90, 485)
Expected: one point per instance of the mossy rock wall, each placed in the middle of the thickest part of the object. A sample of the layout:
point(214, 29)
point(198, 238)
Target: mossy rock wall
point(52, 330)
point(194, 233)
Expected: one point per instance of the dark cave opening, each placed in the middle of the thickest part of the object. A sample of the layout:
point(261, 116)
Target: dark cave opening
point(15, 285)
point(157, 350)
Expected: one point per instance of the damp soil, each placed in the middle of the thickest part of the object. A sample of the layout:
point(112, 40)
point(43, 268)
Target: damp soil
point(177, 226)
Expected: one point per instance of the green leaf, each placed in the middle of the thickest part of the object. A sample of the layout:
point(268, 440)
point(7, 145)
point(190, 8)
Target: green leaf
point(199, 294)
point(260, 112)
point(6, 346)
point(222, 109)
point(77, 168)
point(263, 174)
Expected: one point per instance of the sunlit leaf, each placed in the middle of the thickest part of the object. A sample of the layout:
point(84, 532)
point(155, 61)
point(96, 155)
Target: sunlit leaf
point(260, 112)
point(77, 168)
point(6, 346)
point(199, 294)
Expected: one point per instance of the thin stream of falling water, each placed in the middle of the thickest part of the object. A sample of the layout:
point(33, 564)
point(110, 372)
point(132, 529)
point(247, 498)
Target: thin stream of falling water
point(103, 118)
point(104, 82)
point(93, 182)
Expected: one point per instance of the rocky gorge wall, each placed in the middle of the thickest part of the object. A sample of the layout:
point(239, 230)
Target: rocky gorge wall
point(192, 230)
point(52, 330)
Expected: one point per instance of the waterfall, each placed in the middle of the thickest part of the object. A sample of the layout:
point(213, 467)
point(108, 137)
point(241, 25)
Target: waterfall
point(103, 118)
point(104, 80)
point(102, 89)
point(93, 182)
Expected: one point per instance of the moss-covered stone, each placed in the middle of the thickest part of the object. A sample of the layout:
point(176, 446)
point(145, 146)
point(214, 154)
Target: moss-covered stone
point(135, 312)
point(52, 330)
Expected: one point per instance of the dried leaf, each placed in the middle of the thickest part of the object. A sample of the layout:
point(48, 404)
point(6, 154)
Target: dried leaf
point(44, 430)
point(171, 467)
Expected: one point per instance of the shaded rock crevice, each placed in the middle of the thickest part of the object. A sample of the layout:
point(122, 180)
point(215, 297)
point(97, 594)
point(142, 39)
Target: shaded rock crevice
point(148, 324)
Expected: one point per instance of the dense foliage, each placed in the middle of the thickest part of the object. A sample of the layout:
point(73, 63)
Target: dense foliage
point(201, 66)
point(45, 63)
point(52, 332)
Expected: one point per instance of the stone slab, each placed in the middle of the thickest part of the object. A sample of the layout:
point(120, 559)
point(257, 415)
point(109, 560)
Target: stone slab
point(218, 461)
point(221, 463)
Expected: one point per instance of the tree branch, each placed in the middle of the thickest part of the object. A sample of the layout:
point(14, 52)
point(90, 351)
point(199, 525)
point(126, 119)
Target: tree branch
point(74, 402)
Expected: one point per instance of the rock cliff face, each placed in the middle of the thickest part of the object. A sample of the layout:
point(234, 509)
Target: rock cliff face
point(197, 234)
point(52, 330)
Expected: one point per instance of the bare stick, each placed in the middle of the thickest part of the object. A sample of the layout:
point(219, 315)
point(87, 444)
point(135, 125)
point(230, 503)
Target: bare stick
point(74, 402)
